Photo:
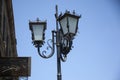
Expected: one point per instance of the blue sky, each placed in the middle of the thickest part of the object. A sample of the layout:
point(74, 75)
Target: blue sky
point(96, 52)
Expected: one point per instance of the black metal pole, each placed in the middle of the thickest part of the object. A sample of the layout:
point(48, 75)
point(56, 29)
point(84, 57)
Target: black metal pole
point(59, 74)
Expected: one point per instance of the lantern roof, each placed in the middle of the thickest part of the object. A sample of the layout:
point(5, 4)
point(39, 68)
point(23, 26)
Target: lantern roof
point(67, 13)
point(37, 23)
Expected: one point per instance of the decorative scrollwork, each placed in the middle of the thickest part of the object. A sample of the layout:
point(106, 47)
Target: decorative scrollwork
point(66, 46)
point(44, 53)
point(63, 57)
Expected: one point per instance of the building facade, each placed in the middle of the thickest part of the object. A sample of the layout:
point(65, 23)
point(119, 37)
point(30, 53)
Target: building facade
point(7, 32)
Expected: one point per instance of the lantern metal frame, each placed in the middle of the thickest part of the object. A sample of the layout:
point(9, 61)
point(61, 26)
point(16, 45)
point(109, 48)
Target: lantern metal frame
point(39, 23)
point(68, 15)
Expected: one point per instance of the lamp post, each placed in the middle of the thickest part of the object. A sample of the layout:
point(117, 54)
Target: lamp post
point(62, 37)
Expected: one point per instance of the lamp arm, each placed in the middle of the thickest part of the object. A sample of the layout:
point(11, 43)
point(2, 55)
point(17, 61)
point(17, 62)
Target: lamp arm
point(43, 54)
point(66, 45)
point(65, 50)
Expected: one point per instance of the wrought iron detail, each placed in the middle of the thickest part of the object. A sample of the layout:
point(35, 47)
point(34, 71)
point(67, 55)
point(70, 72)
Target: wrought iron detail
point(63, 57)
point(66, 45)
point(44, 52)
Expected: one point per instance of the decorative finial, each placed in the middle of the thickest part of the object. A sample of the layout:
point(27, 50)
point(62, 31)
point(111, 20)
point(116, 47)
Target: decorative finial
point(73, 11)
point(67, 11)
point(37, 19)
point(60, 14)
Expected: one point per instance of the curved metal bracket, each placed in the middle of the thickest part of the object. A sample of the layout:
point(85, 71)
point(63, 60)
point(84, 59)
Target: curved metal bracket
point(66, 46)
point(63, 57)
point(65, 49)
point(43, 54)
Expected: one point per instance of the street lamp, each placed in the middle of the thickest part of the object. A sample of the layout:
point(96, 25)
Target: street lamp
point(38, 30)
point(69, 23)
point(62, 37)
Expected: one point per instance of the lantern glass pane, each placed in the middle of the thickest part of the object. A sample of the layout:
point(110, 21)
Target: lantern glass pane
point(72, 24)
point(38, 32)
point(63, 23)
